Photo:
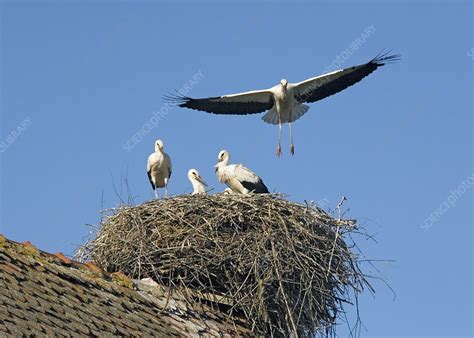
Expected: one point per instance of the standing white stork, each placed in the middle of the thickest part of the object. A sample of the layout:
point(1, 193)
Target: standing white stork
point(159, 168)
point(199, 185)
point(284, 102)
point(237, 177)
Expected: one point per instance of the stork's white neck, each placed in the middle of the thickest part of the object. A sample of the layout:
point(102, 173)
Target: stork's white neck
point(221, 171)
point(224, 162)
point(198, 187)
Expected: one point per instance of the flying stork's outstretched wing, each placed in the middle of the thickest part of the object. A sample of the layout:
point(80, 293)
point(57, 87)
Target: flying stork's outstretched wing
point(253, 102)
point(320, 87)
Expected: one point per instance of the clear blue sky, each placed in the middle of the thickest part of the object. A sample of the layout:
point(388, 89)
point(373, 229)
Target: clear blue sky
point(80, 78)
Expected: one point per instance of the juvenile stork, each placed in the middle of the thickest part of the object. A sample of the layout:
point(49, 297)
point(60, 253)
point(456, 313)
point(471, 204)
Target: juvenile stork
point(199, 185)
point(284, 102)
point(237, 177)
point(159, 168)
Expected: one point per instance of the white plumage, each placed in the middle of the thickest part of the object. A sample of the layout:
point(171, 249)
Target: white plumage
point(284, 102)
point(228, 191)
point(159, 168)
point(199, 185)
point(237, 177)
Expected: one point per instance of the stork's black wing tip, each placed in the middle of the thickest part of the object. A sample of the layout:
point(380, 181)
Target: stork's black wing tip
point(385, 57)
point(176, 99)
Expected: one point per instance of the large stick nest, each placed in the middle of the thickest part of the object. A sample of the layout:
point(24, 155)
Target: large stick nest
point(284, 266)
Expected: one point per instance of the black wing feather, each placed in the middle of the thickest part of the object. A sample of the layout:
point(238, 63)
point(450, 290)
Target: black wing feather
point(151, 181)
point(225, 108)
point(258, 188)
point(323, 90)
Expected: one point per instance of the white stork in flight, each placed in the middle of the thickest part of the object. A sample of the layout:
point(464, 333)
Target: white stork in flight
point(199, 185)
point(238, 178)
point(159, 168)
point(284, 102)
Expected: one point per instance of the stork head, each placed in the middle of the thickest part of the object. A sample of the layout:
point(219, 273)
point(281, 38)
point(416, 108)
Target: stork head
point(223, 154)
point(194, 175)
point(222, 158)
point(284, 83)
point(159, 145)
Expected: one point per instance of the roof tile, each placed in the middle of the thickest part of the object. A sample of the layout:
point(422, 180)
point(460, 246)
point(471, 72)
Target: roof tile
point(63, 258)
point(53, 295)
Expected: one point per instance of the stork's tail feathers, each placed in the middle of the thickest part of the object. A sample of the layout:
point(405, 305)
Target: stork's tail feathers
point(272, 116)
point(298, 111)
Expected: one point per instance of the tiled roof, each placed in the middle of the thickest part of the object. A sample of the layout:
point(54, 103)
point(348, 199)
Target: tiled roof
point(47, 294)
